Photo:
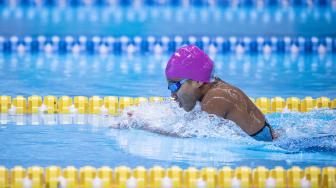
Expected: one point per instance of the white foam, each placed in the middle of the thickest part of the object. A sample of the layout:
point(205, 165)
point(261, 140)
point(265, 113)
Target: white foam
point(168, 118)
point(297, 131)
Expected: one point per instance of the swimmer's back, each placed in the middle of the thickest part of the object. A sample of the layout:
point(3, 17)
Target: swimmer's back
point(231, 103)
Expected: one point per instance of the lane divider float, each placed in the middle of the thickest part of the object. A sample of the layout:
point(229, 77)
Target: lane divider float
point(114, 105)
point(173, 177)
point(165, 44)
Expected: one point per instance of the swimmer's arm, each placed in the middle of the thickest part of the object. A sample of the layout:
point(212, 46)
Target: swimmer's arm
point(144, 126)
point(163, 132)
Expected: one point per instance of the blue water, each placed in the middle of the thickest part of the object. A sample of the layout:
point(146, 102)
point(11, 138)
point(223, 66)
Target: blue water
point(199, 140)
point(170, 21)
point(257, 75)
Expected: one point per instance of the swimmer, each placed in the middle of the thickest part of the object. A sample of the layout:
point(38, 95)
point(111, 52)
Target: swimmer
point(189, 76)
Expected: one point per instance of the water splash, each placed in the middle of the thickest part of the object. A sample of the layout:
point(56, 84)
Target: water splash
point(167, 118)
point(314, 131)
point(197, 139)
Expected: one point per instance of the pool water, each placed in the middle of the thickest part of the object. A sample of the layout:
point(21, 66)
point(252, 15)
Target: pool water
point(257, 75)
point(169, 21)
point(195, 138)
point(302, 64)
point(198, 140)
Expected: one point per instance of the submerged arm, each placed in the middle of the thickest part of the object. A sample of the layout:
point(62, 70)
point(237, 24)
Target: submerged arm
point(133, 122)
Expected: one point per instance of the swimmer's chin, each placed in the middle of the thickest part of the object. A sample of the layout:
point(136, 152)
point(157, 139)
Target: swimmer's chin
point(188, 108)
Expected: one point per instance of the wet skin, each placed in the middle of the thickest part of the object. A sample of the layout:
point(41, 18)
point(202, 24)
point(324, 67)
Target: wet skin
point(223, 100)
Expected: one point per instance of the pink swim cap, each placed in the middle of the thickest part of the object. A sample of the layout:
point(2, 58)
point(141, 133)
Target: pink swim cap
point(190, 62)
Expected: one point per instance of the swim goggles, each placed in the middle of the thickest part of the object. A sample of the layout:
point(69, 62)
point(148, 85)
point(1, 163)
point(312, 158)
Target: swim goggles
point(175, 86)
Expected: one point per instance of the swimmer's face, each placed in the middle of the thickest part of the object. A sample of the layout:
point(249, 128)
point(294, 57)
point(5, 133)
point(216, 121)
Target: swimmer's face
point(187, 94)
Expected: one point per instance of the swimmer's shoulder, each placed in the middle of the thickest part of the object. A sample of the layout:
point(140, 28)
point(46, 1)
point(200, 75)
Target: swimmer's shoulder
point(214, 102)
point(218, 89)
